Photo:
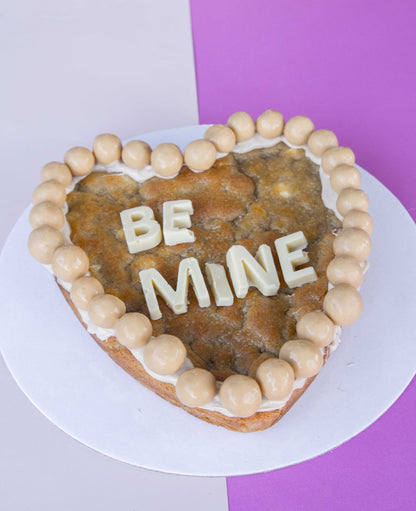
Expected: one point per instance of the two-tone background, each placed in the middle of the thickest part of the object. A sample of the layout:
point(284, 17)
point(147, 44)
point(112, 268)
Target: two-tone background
point(73, 70)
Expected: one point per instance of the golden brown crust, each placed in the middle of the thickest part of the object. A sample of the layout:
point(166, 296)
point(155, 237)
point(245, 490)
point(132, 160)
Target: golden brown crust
point(124, 358)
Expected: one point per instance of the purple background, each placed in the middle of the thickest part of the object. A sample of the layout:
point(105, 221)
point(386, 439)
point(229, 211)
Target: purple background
point(350, 66)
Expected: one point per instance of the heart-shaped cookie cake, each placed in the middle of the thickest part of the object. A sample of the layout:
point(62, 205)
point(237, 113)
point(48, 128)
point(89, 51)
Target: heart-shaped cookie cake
point(219, 278)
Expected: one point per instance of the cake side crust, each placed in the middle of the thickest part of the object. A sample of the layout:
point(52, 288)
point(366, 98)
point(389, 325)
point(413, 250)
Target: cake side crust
point(125, 359)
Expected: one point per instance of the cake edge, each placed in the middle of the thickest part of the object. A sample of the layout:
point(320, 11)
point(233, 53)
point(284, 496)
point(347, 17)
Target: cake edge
point(125, 359)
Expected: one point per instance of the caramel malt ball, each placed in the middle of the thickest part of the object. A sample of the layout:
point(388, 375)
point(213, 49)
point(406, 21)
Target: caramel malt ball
point(136, 154)
point(84, 289)
point(43, 242)
point(133, 330)
point(222, 137)
point(47, 213)
point(164, 354)
point(298, 130)
point(343, 304)
point(243, 126)
point(80, 160)
point(353, 242)
point(350, 198)
point(57, 171)
point(345, 176)
point(200, 155)
point(49, 191)
point(304, 357)
point(345, 270)
point(315, 326)
point(166, 160)
point(270, 124)
point(196, 387)
point(337, 156)
point(106, 148)
point(321, 140)
point(69, 263)
point(105, 310)
point(359, 219)
point(240, 395)
point(276, 378)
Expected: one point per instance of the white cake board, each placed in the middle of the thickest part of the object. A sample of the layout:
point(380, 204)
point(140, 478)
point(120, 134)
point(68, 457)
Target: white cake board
point(80, 389)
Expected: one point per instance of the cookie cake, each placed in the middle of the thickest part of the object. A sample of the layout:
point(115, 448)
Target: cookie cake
point(219, 278)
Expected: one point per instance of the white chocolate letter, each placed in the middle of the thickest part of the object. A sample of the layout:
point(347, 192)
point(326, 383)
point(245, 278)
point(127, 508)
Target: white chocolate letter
point(176, 219)
point(141, 230)
point(153, 281)
point(218, 281)
point(248, 271)
point(289, 249)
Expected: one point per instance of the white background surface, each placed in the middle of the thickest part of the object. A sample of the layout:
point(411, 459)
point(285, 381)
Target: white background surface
point(80, 388)
point(72, 70)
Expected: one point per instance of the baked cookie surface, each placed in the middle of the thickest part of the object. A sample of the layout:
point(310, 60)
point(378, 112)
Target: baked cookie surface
point(247, 199)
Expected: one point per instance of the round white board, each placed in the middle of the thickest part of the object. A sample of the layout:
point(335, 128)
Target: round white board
point(80, 389)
